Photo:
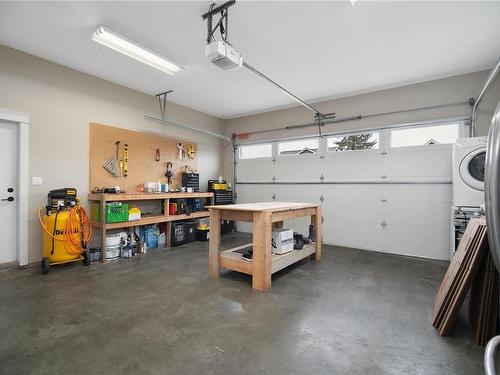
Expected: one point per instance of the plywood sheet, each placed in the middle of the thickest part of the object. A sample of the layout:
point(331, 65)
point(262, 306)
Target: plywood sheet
point(460, 274)
point(142, 164)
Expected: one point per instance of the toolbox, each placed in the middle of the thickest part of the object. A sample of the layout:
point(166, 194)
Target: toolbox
point(214, 185)
point(223, 197)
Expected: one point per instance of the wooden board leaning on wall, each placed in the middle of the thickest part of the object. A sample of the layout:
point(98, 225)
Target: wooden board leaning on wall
point(142, 164)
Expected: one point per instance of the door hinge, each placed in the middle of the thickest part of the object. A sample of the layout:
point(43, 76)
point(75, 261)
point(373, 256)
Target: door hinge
point(274, 197)
point(322, 219)
point(322, 198)
point(383, 224)
point(274, 178)
point(274, 160)
point(322, 177)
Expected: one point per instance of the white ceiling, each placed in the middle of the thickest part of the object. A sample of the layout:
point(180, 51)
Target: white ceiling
point(317, 50)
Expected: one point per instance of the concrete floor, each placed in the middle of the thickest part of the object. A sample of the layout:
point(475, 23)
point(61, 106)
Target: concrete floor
point(355, 312)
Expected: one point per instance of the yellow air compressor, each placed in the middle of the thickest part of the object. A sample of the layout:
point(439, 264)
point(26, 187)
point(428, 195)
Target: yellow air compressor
point(66, 230)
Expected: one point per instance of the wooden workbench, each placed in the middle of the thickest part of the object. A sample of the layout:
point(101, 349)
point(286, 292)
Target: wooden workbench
point(264, 216)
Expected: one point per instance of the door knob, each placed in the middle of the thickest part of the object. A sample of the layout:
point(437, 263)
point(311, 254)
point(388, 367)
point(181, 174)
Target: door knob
point(10, 199)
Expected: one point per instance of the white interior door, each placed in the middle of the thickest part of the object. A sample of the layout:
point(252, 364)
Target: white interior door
point(8, 193)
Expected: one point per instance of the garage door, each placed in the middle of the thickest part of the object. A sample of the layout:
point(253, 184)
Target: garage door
point(387, 190)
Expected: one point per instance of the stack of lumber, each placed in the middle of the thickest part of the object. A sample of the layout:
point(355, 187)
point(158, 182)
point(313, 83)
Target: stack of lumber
point(483, 304)
point(460, 275)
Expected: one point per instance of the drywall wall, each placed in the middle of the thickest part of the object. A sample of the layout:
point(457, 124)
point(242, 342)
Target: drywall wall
point(443, 91)
point(62, 102)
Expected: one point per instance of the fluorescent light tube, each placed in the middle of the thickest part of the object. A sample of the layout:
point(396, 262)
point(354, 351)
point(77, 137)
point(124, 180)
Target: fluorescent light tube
point(115, 41)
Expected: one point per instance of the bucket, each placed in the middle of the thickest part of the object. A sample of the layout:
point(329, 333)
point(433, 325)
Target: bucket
point(113, 252)
point(113, 240)
point(202, 233)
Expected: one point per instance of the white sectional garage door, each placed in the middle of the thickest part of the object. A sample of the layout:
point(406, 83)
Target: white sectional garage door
point(389, 199)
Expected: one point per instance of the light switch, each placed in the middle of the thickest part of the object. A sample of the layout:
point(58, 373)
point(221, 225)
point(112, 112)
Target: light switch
point(36, 180)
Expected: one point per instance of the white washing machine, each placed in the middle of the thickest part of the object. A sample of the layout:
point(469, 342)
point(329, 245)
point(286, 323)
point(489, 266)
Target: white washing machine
point(468, 171)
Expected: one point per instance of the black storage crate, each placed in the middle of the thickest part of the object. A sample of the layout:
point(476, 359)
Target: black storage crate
point(183, 232)
point(190, 230)
point(178, 233)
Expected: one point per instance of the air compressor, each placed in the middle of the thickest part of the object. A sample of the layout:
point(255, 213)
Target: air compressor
point(66, 229)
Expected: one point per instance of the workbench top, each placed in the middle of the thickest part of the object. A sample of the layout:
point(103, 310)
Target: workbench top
point(146, 196)
point(265, 206)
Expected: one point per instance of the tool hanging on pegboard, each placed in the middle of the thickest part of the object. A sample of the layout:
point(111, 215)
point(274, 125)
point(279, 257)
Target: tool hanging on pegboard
point(170, 172)
point(112, 164)
point(125, 160)
point(191, 151)
point(157, 154)
point(181, 148)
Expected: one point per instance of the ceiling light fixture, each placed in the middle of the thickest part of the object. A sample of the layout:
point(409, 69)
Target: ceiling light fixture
point(115, 41)
point(353, 2)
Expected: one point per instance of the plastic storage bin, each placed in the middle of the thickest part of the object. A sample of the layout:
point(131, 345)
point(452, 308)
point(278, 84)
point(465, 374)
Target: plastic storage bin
point(115, 212)
point(202, 233)
point(178, 233)
point(190, 228)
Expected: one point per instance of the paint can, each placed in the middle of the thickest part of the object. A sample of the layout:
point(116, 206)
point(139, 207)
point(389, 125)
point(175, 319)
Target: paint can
point(113, 252)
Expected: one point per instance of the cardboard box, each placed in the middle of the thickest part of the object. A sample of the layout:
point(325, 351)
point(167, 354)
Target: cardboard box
point(282, 241)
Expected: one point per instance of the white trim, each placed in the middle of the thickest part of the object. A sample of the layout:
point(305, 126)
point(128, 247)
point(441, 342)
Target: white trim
point(22, 197)
point(14, 116)
point(22, 121)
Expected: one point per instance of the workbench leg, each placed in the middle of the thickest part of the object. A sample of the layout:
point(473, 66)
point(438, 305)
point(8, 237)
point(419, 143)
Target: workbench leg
point(169, 235)
point(316, 221)
point(103, 230)
point(214, 244)
point(262, 227)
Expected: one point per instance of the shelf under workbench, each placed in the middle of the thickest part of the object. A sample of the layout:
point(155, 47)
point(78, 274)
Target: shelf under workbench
point(148, 220)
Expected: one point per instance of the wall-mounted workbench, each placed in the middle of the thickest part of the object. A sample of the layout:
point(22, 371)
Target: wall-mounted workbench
point(164, 198)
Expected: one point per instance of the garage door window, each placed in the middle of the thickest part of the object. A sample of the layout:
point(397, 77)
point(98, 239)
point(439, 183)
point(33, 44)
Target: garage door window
point(353, 142)
point(425, 136)
point(302, 147)
point(264, 150)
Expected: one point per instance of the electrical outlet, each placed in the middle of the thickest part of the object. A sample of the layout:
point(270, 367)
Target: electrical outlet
point(36, 180)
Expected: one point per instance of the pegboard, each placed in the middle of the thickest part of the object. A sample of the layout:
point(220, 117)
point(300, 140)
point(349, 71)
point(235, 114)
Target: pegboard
point(142, 164)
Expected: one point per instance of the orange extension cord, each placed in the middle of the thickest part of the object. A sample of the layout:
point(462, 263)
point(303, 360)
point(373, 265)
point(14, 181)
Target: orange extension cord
point(76, 231)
